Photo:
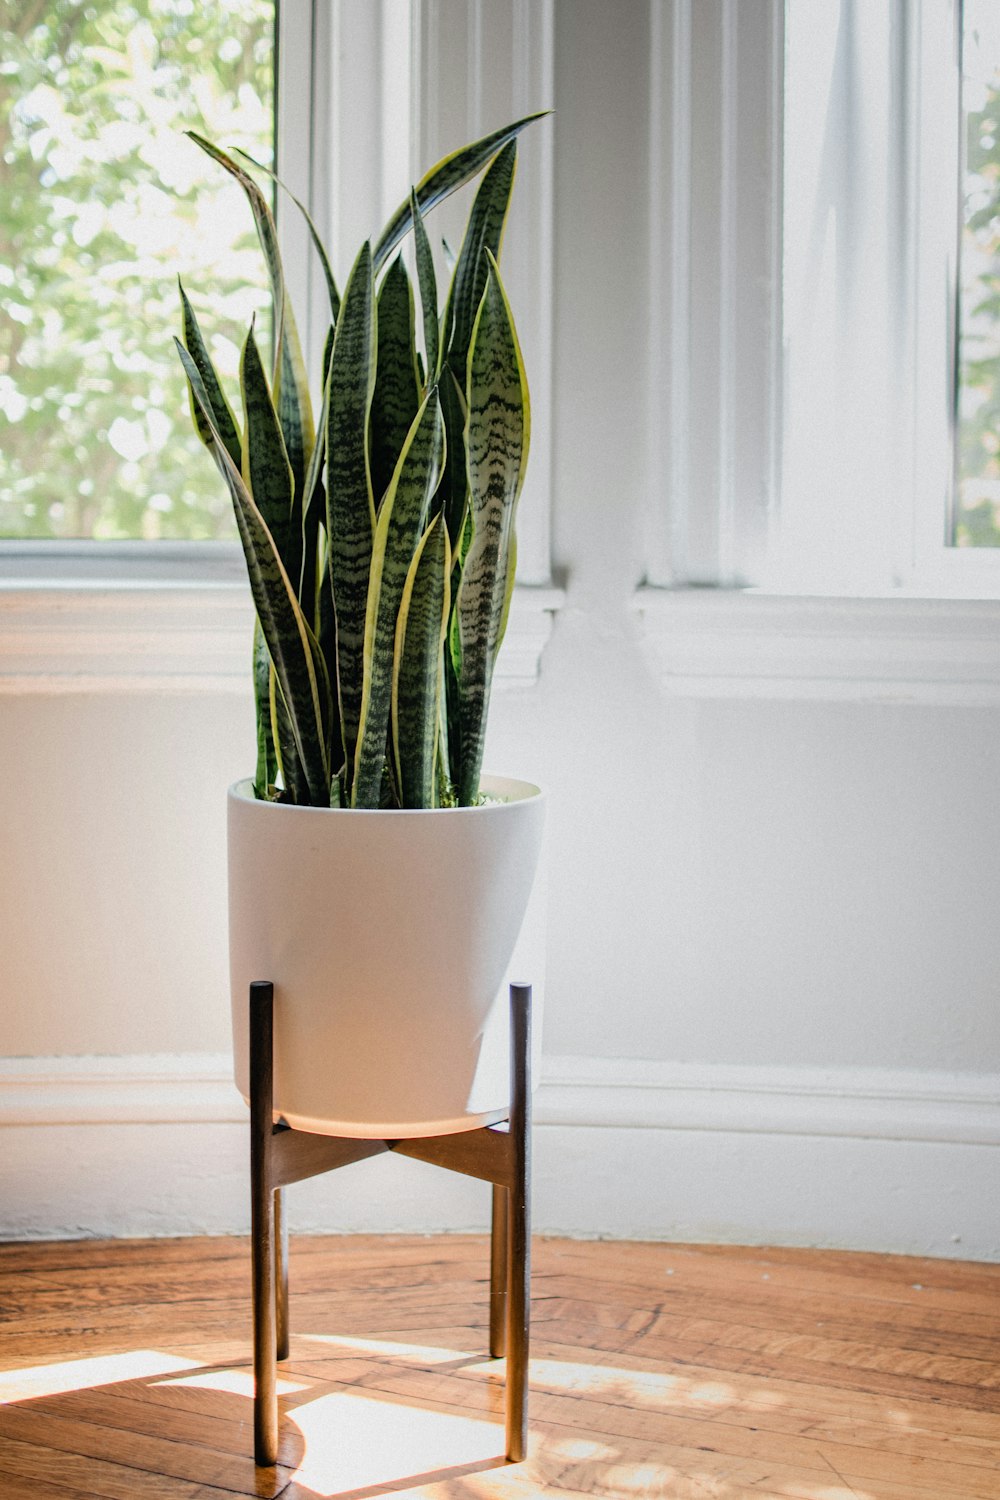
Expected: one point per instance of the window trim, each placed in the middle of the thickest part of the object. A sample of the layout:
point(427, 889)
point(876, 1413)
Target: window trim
point(902, 649)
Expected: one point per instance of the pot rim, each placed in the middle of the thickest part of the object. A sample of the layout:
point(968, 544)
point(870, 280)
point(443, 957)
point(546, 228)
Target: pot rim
point(242, 791)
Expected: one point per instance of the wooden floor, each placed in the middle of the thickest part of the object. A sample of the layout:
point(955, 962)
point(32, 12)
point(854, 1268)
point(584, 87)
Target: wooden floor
point(657, 1370)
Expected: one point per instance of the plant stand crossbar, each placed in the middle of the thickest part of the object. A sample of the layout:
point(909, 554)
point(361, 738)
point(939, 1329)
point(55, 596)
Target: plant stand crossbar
point(279, 1155)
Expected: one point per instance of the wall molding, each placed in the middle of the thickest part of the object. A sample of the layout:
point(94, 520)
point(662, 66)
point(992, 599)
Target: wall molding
point(586, 1092)
point(869, 1103)
point(89, 637)
point(743, 644)
point(861, 1159)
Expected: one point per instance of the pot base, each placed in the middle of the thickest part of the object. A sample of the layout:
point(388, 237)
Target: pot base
point(391, 1130)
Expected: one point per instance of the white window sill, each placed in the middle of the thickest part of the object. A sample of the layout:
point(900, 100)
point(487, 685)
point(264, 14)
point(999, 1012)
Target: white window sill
point(714, 643)
point(172, 618)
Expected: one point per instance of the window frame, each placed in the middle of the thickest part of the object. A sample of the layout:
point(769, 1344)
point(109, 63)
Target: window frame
point(937, 563)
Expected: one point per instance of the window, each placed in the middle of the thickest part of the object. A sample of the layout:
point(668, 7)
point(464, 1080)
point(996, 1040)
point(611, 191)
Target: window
point(104, 204)
point(807, 328)
point(892, 312)
point(976, 516)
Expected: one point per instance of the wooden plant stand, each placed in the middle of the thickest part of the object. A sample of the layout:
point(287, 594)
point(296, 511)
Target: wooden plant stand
point(500, 1154)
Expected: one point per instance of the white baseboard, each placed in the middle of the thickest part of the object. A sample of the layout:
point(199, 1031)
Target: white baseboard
point(861, 1158)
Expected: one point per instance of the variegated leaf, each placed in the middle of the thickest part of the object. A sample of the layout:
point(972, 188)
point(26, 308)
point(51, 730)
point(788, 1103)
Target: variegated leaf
point(417, 667)
point(497, 438)
point(293, 776)
point(267, 764)
point(443, 178)
point(222, 413)
point(428, 288)
point(291, 391)
point(484, 232)
point(400, 525)
point(326, 633)
point(318, 246)
point(291, 384)
point(454, 492)
point(397, 387)
point(312, 510)
point(293, 649)
point(266, 471)
point(350, 518)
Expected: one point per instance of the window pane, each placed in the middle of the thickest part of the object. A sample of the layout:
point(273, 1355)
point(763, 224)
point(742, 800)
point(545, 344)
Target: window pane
point(103, 203)
point(977, 511)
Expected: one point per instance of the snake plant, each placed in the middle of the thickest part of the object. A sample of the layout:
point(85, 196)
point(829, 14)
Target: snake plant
point(378, 525)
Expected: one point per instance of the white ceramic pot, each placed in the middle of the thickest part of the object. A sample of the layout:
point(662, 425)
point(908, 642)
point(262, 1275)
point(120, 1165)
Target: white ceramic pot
point(388, 937)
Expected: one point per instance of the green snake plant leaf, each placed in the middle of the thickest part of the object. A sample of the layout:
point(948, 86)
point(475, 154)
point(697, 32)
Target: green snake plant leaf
point(266, 471)
point(483, 233)
point(326, 633)
point(350, 507)
point(222, 413)
point(443, 178)
point(418, 665)
point(428, 287)
point(454, 491)
point(263, 219)
point(400, 525)
point(313, 508)
point(397, 385)
point(291, 390)
point(290, 767)
point(291, 383)
point(267, 764)
point(319, 247)
point(497, 437)
point(293, 649)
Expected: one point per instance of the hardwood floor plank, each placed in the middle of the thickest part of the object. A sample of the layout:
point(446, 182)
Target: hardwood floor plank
point(796, 1308)
point(657, 1370)
point(916, 1282)
point(33, 1464)
point(726, 1439)
point(150, 1455)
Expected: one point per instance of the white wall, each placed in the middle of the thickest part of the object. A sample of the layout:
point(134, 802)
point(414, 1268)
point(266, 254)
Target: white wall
point(771, 1004)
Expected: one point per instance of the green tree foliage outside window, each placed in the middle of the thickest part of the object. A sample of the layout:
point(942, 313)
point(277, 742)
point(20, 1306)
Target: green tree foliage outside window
point(102, 202)
point(977, 512)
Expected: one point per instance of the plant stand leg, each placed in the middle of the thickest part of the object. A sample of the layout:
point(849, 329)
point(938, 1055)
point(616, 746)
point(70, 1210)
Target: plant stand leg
point(262, 1236)
point(498, 1273)
point(280, 1155)
point(281, 1273)
point(519, 1228)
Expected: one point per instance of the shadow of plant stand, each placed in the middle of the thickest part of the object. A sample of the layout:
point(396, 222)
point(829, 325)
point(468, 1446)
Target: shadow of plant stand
point(279, 1155)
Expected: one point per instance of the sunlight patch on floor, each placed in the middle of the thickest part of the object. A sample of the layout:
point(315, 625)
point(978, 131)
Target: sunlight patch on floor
point(647, 1388)
point(85, 1374)
point(643, 1388)
point(843, 1491)
point(235, 1382)
point(354, 1441)
point(419, 1354)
